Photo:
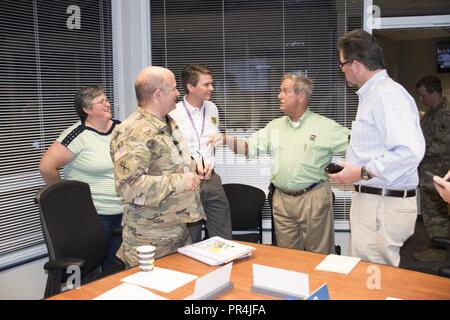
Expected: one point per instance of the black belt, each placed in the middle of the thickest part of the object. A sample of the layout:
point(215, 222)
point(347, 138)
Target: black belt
point(300, 192)
point(386, 192)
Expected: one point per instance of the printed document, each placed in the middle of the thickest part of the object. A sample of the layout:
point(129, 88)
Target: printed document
point(216, 251)
point(164, 280)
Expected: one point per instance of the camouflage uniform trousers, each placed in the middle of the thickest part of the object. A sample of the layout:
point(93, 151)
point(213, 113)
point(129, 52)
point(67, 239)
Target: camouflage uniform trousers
point(434, 210)
point(166, 240)
point(436, 130)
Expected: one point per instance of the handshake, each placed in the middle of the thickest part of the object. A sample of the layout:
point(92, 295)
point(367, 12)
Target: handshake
point(217, 139)
point(238, 146)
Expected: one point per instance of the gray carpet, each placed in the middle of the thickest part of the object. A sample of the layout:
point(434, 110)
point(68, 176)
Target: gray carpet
point(416, 242)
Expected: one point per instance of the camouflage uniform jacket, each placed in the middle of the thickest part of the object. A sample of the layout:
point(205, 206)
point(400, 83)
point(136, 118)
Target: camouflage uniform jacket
point(436, 130)
point(150, 159)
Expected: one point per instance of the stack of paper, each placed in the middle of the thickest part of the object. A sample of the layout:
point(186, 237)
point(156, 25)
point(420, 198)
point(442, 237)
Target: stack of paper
point(216, 251)
point(339, 264)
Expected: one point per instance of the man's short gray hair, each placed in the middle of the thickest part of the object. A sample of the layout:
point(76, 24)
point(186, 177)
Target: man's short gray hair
point(145, 88)
point(301, 83)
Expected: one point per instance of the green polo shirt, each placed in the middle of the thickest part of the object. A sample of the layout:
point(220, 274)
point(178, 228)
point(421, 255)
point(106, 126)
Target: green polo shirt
point(299, 151)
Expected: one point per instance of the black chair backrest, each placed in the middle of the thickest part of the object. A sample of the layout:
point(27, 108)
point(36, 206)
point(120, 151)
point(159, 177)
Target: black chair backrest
point(71, 225)
point(246, 203)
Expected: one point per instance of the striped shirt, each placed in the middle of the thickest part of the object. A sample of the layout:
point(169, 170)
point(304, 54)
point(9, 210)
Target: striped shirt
point(92, 164)
point(386, 136)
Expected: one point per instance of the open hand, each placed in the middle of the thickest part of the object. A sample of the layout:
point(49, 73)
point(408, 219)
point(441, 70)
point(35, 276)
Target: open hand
point(216, 140)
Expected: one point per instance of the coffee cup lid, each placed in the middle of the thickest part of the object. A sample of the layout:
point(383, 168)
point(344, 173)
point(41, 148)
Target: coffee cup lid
point(145, 249)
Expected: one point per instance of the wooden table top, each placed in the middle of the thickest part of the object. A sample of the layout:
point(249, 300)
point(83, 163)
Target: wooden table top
point(366, 281)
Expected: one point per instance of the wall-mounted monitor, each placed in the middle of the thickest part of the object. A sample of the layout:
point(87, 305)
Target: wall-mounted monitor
point(443, 56)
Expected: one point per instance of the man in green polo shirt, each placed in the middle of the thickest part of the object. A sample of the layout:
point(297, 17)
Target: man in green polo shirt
point(301, 145)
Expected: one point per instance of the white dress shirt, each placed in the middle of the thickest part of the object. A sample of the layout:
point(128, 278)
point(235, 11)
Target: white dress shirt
point(192, 130)
point(386, 136)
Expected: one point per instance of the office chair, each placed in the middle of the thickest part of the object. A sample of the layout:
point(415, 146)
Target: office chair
point(73, 232)
point(246, 203)
point(442, 242)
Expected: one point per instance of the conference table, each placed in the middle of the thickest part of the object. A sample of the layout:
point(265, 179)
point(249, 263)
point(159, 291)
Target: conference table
point(367, 281)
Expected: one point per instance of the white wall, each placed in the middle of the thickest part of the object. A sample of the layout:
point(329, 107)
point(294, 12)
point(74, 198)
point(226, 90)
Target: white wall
point(132, 50)
point(342, 238)
point(418, 59)
point(26, 282)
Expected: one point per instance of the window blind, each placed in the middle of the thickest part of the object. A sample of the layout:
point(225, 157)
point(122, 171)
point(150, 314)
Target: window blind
point(249, 45)
point(48, 50)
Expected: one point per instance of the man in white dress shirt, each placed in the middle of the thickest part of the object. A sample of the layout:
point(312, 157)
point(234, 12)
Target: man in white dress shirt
point(386, 147)
point(198, 120)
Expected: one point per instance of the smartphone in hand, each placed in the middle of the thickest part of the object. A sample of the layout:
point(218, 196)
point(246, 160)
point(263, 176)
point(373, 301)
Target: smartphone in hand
point(333, 168)
point(431, 175)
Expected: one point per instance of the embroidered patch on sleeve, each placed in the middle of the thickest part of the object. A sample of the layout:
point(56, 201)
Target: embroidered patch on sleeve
point(120, 153)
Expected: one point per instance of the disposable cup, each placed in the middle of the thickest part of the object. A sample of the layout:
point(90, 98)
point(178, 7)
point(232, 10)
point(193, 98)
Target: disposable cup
point(146, 256)
point(147, 249)
point(146, 262)
point(146, 268)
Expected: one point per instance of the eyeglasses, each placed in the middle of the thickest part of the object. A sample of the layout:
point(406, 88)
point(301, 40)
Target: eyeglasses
point(342, 64)
point(102, 102)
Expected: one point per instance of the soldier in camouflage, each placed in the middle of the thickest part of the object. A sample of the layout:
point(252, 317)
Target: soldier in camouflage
point(154, 171)
point(436, 129)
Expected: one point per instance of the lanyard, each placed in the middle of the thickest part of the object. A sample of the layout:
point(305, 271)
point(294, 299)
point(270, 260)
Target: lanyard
point(193, 124)
point(179, 153)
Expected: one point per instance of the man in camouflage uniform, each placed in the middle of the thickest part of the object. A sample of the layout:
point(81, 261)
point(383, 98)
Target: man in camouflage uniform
point(154, 171)
point(436, 129)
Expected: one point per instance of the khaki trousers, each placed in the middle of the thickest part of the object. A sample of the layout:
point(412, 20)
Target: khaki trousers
point(305, 222)
point(379, 226)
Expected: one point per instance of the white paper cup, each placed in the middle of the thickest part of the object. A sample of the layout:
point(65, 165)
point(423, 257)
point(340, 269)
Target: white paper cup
point(146, 263)
point(146, 256)
point(146, 268)
point(145, 249)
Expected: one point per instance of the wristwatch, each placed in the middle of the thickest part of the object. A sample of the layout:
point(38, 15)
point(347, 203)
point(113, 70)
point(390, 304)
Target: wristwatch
point(365, 175)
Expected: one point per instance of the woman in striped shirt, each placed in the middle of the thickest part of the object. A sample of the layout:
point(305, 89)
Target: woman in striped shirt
point(82, 150)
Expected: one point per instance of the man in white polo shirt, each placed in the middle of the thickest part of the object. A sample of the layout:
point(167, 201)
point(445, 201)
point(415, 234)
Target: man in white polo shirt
point(198, 120)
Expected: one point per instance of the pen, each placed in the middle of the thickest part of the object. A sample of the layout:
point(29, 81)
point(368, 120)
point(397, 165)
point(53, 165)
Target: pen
point(196, 169)
point(203, 162)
